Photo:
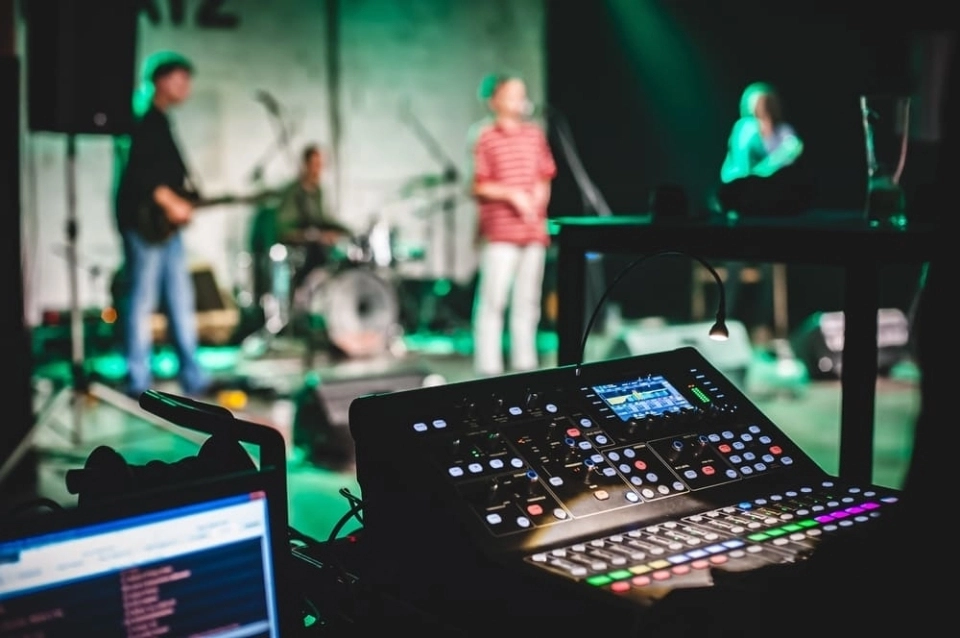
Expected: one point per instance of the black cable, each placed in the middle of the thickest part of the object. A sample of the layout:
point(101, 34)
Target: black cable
point(719, 328)
point(351, 513)
point(36, 503)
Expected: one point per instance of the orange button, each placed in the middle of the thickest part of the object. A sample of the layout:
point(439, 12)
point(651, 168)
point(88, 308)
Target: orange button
point(776, 449)
point(573, 432)
point(709, 470)
point(640, 465)
point(719, 559)
point(601, 495)
point(620, 586)
point(534, 509)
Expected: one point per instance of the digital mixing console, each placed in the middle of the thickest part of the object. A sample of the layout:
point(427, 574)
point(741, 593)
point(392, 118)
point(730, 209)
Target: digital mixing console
point(566, 492)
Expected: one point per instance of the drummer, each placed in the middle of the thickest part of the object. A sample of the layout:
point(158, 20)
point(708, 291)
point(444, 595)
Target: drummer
point(301, 218)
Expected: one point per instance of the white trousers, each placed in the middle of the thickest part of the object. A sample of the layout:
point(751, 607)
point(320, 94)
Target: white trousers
point(514, 273)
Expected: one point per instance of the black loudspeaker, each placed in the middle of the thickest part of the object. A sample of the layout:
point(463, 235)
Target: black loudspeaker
point(81, 65)
point(819, 342)
point(321, 423)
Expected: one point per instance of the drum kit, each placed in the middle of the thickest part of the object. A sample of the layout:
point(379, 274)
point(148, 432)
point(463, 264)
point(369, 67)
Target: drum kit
point(349, 303)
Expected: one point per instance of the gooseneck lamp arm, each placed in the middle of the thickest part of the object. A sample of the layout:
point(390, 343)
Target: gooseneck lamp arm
point(718, 331)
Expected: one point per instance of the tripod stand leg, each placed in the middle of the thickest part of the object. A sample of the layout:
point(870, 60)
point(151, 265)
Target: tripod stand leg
point(53, 405)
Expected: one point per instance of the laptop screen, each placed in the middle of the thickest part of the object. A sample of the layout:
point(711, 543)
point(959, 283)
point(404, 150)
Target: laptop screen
point(198, 567)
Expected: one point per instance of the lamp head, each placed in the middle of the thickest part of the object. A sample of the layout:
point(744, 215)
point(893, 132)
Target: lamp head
point(718, 331)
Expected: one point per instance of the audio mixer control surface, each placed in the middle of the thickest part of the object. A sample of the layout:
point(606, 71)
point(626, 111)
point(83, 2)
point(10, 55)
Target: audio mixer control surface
point(615, 481)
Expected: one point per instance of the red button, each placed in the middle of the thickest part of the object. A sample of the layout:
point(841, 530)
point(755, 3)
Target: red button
point(641, 581)
point(709, 470)
point(640, 465)
point(573, 432)
point(723, 447)
point(680, 570)
point(700, 564)
point(776, 449)
point(534, 509)
point(661, 575)
point(620, 586)
point(719, 559)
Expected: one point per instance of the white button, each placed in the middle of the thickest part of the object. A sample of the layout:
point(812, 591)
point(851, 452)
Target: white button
point(515, 462)
point(551, 408)
point(420, 427)
point(476, 468)
point(494, 519)
point(515, 411)
point(496, 463)
point(556, 481)
point(523, 521)
point(455, 471)
point(632, 497)
point(559, 514)
point(439, 424)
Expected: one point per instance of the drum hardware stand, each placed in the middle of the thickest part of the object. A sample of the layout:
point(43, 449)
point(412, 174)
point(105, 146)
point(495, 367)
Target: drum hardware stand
point(80, 388)
point(436, 303)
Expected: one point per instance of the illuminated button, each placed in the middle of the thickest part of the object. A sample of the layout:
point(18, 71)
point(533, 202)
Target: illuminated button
point(636, 480)
point(763, 501)
point(787, 460)
point(601, 495)
point(754, 429)
point(853, 490)
point(573, 432)
point(680, 570)
point(723, 447)
point(709, 470)
point(596, 458)
point(640, 465)
point(494, 519)
point(523, 521)
point(555, 481)
point(515, 411)
point(727, 434)
point(632, 497)
point(846, 523)
point(714, 438)
point(609, 471)
point(584, 445)
point(869, 506)
point(749, 456)
point(847, 499)
point(420, 427)
point(746, 437)
point(746, 469)
point(648, 493)
point(539, 558)
point(626, 469)
point(439, 424)
point(889, 499)
point(776, 449)
point(496, 463)
point(862, 519)
point(559, 514)
point(599, 581)
point(737, 445)
point(620, 586)
point(736, 459)
point(456, 471)
point(517, 463)
point(827, 483)
point(475, 468)
point(629, 453)
point(677, 485)
point(640, 581)
point(690, 474)
point(830, 528)
point(718, 559)
point(700, 564)
point(559, 553)
point(613, 456)
point(652, 477)
point(585, 422)
point(534, 509)
point(769, 458)
point(551, 408)
point(602, 440)
point(661, 575)
point(663, 489)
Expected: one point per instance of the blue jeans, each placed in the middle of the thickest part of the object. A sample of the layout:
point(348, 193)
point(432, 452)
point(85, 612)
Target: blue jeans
point(153, 270)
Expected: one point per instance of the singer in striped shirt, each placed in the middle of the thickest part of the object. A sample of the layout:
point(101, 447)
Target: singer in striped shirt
point(512, 168)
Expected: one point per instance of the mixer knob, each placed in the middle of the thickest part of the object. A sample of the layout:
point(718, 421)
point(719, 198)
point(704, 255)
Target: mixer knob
point(469, 409)
point(553, 431)
point(702, 444)
point(493, 442)
point(532, 400)
point(494, 492)
point(531, 483)
point(676, 449)
point(589, 470)
point(497, 406)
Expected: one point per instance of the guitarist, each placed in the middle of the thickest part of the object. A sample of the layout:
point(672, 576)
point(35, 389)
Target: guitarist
point(154, 172)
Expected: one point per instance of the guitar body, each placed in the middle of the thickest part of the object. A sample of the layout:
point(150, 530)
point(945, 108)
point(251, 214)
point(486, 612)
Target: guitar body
point(155, 227)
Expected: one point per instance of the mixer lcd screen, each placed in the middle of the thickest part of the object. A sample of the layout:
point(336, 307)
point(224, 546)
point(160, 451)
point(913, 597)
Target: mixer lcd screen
point(647, 396)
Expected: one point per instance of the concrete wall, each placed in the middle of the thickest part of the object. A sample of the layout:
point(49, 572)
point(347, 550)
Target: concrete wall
point(401, 62)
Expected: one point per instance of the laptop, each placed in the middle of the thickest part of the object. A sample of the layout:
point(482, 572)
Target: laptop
point(204, 559)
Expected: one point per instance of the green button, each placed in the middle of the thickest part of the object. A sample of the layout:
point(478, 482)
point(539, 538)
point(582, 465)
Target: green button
point(792, 527)
point(773, 533)
point(620, 574)
point(756, 538)
point(807, 523)
point(599, 581)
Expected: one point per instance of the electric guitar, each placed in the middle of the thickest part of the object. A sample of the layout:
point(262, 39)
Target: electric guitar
point(155, 226)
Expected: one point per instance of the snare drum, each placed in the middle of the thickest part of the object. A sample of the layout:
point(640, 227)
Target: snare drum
point(356, 309)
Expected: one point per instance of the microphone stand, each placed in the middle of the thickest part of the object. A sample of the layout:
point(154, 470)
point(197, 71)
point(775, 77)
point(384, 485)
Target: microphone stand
point(450, 178)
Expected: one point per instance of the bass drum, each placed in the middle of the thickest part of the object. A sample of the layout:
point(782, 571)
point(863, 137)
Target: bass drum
point(354, 308)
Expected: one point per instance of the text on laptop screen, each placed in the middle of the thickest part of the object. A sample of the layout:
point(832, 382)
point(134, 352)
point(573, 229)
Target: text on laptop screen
point(203, 569)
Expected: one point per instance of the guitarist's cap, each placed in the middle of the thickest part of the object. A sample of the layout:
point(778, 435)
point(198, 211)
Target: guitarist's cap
point(163, 62)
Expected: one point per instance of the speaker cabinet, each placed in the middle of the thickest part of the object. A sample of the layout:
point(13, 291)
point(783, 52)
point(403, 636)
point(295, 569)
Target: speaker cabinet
point(81, 65)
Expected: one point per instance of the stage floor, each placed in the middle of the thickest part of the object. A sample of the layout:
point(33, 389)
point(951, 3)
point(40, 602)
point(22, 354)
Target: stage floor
point(809, 413)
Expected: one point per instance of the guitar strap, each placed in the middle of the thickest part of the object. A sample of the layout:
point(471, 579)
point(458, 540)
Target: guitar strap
point(190, 181)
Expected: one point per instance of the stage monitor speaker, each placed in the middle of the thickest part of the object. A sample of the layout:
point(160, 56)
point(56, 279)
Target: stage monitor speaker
point(81, 65)
point(819, 342)
point(732, 357)
point(322, 420)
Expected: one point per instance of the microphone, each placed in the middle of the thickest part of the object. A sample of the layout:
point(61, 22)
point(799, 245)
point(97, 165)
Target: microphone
point(268, 101)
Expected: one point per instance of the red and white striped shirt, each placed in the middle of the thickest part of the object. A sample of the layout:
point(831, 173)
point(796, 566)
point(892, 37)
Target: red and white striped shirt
point(519, 157)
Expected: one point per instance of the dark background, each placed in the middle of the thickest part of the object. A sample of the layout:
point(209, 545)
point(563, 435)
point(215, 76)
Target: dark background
point(651, 89)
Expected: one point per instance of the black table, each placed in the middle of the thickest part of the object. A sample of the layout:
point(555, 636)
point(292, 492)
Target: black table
point(841, 239)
